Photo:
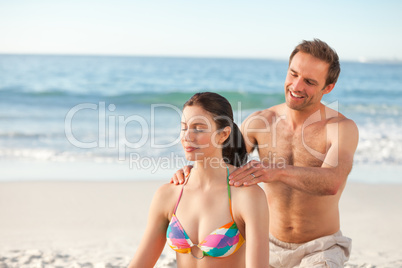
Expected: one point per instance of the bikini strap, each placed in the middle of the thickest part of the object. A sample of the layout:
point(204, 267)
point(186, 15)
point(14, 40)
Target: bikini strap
point(229, 193)
point(181, 193)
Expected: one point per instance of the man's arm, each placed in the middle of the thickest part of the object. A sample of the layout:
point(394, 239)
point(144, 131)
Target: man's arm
point(249, 138)
point(257, 122)
point(324, 180)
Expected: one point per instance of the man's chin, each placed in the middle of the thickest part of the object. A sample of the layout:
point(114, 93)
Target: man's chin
point(294, 107)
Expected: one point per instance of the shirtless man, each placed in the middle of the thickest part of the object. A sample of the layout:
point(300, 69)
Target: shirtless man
point(306, 153)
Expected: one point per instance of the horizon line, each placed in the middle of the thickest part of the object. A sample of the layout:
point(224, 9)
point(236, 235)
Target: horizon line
point(359, 60)
point(143, 55)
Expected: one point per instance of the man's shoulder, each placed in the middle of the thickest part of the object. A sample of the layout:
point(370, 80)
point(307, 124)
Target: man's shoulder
point(267, 115)
point(348, 126)
point(341, 123)
point(334, 116)
point(274, 111)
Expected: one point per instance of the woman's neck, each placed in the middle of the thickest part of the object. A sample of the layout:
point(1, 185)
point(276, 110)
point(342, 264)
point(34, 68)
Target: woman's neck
point(208, 173)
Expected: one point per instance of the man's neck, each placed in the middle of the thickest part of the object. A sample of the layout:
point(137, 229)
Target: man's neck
point(297, 119)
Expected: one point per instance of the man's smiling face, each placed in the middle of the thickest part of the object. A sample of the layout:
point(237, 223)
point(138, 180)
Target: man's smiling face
point(305, 82)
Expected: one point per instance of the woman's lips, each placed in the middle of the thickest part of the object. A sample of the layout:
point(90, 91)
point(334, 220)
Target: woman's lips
point(190, 149)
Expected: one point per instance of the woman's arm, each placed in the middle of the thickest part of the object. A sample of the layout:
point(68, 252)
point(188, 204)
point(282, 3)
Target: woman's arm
point(254, 211)
point(154, 238)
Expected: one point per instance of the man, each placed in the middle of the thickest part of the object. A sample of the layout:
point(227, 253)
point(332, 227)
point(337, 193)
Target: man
point(306, 153)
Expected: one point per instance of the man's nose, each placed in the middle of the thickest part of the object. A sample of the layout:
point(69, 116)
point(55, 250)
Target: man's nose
point(298, 84)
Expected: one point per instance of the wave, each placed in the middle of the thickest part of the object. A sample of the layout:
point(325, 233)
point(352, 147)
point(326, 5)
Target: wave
point(371, 104)
point(249, 100)
point(33, 136)
point(379, 143)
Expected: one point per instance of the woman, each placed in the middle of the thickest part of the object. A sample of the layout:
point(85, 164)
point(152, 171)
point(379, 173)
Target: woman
point(206, 221)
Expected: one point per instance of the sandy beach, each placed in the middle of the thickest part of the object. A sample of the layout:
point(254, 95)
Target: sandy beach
point(99, 224)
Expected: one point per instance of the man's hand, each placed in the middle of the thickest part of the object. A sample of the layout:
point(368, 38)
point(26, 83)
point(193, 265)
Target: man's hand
point(251, 173)
point(180, 176)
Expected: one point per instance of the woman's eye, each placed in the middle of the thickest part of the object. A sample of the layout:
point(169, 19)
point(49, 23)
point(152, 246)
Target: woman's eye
point(194, 130)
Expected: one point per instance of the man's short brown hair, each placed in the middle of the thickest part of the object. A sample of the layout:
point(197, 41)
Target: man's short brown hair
point(324, 52)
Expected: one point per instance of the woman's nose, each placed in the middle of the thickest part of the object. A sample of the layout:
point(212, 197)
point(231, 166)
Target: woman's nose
point(187, 135)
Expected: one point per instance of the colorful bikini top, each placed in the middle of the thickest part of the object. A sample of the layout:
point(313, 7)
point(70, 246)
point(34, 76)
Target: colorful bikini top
point(221, 243)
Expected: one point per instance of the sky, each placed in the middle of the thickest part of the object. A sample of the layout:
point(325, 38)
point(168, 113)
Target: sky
point(360, 30)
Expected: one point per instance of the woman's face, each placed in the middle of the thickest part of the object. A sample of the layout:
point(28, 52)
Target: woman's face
point(200, 137)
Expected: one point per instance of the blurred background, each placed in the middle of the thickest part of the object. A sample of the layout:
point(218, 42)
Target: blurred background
point(92, 90)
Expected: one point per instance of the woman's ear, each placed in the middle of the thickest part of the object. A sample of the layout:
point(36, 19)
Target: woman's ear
point(224, 135)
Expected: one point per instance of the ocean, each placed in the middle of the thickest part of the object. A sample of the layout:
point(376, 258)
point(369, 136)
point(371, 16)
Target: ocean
point(115, 110)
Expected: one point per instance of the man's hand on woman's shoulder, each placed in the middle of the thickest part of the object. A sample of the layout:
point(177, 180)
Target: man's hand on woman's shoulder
point(180, 176)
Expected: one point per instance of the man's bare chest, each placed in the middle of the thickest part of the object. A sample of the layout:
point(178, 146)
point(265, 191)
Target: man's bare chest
point(301, 147)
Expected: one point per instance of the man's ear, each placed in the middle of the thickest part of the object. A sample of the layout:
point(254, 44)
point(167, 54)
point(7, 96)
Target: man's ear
point(328, 88)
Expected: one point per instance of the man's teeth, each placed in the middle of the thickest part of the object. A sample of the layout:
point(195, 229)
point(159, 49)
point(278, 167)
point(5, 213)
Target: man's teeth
point(295, 95)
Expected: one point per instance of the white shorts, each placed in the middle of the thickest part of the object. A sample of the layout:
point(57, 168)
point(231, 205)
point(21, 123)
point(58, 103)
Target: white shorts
point(328, 251)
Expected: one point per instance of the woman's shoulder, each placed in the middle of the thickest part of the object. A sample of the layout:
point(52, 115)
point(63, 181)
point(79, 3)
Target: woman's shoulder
point(168, 190)
point(253, 192)
point(166, 197)
point(248, 202)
